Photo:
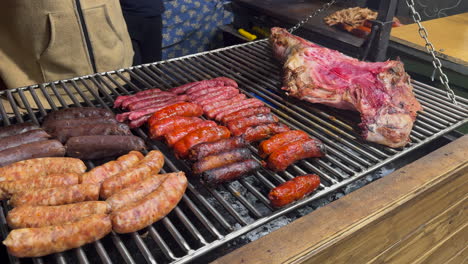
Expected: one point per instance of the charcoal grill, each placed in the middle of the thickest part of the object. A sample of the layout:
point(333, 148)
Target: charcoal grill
point(206, 217)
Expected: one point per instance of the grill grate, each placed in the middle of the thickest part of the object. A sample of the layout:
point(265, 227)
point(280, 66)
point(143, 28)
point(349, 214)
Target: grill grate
point(207, 218)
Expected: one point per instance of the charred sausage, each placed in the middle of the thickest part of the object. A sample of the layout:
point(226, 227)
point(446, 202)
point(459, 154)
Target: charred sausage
point(238, 126)
point(293, 190)
point(252, 102)
point(277, 141)
point(152, 207)
point(245, 113)
point(23, 138)
point(38, 149)
point(96, 147)
point(41, 241)
point(56, 195)
point(206, 134)
point(63, 134)
point(138, 190)
point(260, 132)
point(202, 150)
point(50, 125)
point(179, 132)
point(221, 159)
point(40, 167)
point(98, 174)
point(17, 129)
point(230, 172)
point(159, 128)
point(292, 152)
point(39, 216)
point(179, 109)
point(79, 112)
point(151, 164)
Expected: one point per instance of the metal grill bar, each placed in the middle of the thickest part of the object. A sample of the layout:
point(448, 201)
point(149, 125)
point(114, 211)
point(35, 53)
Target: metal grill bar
point(209, 217)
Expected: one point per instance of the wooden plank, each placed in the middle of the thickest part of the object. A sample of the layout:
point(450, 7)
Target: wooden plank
point(322, 229)
point(448, 34)
point(460, 257)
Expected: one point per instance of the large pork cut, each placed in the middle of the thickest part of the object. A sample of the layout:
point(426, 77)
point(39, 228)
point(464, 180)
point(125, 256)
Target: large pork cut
point(380, 91)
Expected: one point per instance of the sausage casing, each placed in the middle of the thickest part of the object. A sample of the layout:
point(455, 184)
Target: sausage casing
point(178, 109)
point(41, 241)
point(63, 134)
point(56, 195)
point(23, 138)
point(202, 150)
point(260, 132)
point(293, 190)
point(230, 172)
point(38, 149)
point(97, 147)
point(238, 126)
point(50, 125)
point(206, 134)
point(39, 216)
point(152, 207)
point(245, 113)
point(221, 159)
point(16, 129)
point(98, 174)
point(78, 112)
point(179, 132)
point(292, 152)
point(268, 146)
point(40, 167)
point(159, 128)
point(151, 164)
point(138, 190)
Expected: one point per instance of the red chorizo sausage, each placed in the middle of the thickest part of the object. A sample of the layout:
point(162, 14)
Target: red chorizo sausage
point(159, 128)
point(179, 109)
point(179, 132)
point(268, 146)
point(292, 152)
point(260, 132)
point(206, 134)
point(293, 190)
point(202, 150)
point(238, 126)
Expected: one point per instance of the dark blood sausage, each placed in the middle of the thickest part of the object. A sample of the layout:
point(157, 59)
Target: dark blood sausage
point(159, 128)
point(239, 126)
point(41, 241)
point(39, 216)
point(96, 147)
point(208, 91)
point(230, 172)
point(297, 150)
point(79, 112)
point(56, 195)
point(140, 96)
point(211, 108)
point(151, 102)
point(293, 190)
point(277, 141)
point(154, 108)
point(246, 113)
point(152, 207)
point(38, 149)
point(260, 132)
point(17, 129)
point(63, 134)
point(252, 102)
point(202, 150)
point(179, 132)
point(23, 138)
point(179, 109)
point(51, 125)
point(206, 134)
point(221, 159)
point(216, 96)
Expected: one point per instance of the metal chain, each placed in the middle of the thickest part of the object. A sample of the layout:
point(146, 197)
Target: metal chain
point(430, 48)
point(315, 13)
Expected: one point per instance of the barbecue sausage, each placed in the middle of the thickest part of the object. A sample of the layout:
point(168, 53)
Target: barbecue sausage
point(179, 132)
point(134, 115)
point(98, 174)
point(216, 97)
point(8, 188)
point(252, 102)
point(16, 129)
point(202, 150)
point(211, 108)
point(36, 242)
point(40, 167)
point(179, 109)
point(154, 93)
point(63, 134)
point(260, 132)
point(161, 127)
point(40, 216)
point(270, 145)
point(230, 172)
point(152, 207)
point(221, 159)
point(207, 92)
point(38, 149)
point(155, 99)
point(246, 113)
point(206, 134)
point(238, 126)
point(23, 138)
point(151, 164)
point(50, 125)
point(56, 195)
point(96, 147)
point(293, 190)
point(79, 112)
point(138, 190)
point(202, 85)
point(292, 152)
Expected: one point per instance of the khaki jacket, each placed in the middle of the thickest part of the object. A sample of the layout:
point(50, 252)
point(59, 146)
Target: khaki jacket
point(49, 40)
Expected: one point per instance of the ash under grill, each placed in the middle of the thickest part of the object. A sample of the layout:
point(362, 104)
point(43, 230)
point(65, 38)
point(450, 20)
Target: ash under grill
point(209, 217)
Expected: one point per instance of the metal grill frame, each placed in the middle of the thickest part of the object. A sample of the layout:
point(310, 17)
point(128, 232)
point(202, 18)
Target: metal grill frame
point(258, 75)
